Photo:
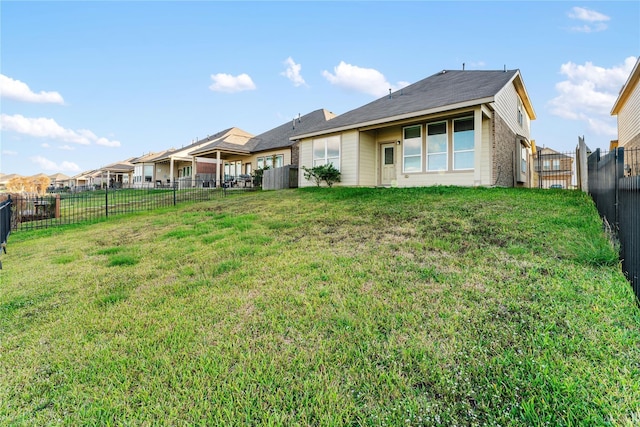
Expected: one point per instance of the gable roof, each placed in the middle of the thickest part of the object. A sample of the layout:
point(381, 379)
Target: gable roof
point(58, 177)
point(234, 139)
point(279, 137)
point(167, 154)
point(445, 90)
point(626, 90)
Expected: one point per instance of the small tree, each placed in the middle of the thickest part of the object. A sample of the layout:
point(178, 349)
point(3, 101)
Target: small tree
point(327, 173)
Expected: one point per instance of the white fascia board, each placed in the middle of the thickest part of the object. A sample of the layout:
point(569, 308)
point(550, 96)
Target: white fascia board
point(373, 123)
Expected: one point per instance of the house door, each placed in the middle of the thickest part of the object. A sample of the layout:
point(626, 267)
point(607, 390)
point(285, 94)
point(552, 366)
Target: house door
point(388, 163)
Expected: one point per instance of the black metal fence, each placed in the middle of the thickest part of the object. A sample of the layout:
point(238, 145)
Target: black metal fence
point(614, 185)
point(61, 208)
point(5, 225)
point(555, 170)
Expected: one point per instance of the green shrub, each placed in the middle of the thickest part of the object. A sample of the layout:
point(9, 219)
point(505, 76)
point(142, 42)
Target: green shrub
point(327, 173)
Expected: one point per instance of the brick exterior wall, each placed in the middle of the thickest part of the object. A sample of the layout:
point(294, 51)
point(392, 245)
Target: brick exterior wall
point(202, 167)
point(633, 142)
point(295, 153)
point(504, 146)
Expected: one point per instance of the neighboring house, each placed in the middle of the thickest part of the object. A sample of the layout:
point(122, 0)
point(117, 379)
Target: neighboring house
point(58, 180)
point(627, 108)
point(180, 164)
point(144, 170)
point(83, 181)
point(116, 175)
point(231, 143)
point(469, 128)
point(273, 148)
point(553, 169)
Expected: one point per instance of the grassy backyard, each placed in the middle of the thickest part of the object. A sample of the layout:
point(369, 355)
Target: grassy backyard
point(430, 306)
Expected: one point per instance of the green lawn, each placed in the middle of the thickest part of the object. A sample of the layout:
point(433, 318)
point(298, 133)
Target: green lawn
point(430, 306)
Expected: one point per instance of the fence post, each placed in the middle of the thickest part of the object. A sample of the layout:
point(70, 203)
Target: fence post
point(581, 164)
point(619, 173)
point(57, 205)
point(174, 193)
point(106, 200)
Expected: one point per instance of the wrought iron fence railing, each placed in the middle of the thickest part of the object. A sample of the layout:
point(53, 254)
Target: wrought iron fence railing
point(61, 208)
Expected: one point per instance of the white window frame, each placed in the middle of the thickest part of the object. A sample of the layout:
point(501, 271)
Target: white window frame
point(412, 156)
point(555, 164)
point(322, 144)
point(438, 153)
point(472, 150)
point(520, 113)
point(260, 162)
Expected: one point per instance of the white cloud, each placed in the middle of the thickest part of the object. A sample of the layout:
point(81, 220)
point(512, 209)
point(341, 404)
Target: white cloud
point(588, 15)
point(42, 127)
point(15, 89)
point(230, 84)
point(365, 80)
point(107, 142)
point(589, 92)
point(66, 147)
point(45, 145)
point(48, 165)
point(293, 72)
point(595, 21)
point(9, 153)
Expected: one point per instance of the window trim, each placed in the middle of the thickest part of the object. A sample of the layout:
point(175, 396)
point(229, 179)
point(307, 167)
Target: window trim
point(453, 143)
point(326, 159)
point(446, 149)
point(404, 147)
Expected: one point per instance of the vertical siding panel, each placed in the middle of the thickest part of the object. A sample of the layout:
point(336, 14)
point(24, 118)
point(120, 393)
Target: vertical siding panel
point(306, 159)
point(506, 102)
point(349, 158)
point(368, 171)
point(629, 118)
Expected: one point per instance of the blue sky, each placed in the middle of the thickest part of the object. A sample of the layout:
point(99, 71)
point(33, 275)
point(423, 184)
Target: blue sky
point(85, 84)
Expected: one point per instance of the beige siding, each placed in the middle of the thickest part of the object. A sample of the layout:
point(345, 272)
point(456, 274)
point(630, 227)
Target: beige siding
point(306, 159)
point(506, 102)
point(349, 158)
point(629, 118)
point(367, 166)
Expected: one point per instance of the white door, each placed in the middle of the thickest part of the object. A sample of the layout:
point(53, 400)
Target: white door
point(388, 163)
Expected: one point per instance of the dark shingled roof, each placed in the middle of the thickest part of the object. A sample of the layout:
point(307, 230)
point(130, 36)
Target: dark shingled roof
point(447, 87)
point(279, 137)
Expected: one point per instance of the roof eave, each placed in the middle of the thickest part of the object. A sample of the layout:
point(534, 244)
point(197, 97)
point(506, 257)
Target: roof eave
point(524, 95)
point(396, 118)
point(626, 90)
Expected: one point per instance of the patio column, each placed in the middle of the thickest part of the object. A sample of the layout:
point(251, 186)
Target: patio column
point(171, 170)
point(218, 169)
point(478, 148)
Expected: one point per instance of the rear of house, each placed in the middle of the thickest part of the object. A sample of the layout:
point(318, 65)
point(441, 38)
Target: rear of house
point(467, 128)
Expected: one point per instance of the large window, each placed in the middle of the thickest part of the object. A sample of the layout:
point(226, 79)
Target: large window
point(148, 173)
point(412, 149)
point(437, 146)
point(327, 151)
point(267, 161)
point(463, 143)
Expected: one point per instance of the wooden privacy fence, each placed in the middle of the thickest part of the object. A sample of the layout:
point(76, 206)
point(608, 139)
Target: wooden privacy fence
point(280, 178)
